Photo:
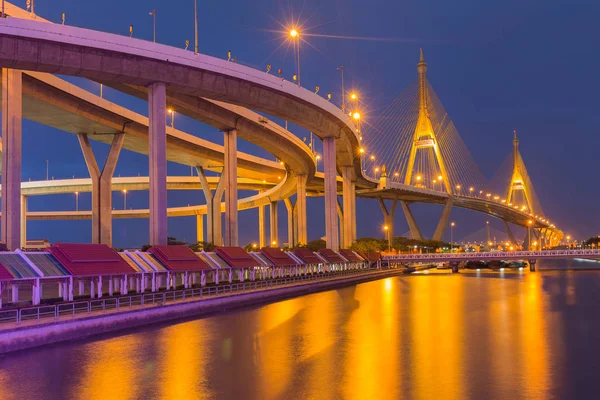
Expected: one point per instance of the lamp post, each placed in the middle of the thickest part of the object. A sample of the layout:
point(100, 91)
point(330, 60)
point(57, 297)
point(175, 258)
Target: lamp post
point(343, 92)
point(47, 163)
point(529, 234)
point(195, 26)
point(452, 236)
point(153, 13)
point(76, 201)
point(295, 35)
point(124, 199)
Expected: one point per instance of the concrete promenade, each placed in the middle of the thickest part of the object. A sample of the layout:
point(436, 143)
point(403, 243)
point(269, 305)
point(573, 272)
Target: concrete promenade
point(36, 333)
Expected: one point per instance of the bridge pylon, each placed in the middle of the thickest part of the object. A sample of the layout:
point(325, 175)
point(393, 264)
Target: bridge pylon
point(424, 138)
point(518, 184)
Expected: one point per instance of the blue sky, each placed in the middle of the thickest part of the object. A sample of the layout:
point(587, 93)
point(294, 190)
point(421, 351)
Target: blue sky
point(497, 66)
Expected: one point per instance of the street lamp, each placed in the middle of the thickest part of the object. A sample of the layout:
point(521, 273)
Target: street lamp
point(343, 93)
point(172, 112)
point(76, 201)
point(195, 27)
point(47, 163)
point(295, 35)
point(529, 234)
point(124, 199)
point(153, 13)
point(452, 224)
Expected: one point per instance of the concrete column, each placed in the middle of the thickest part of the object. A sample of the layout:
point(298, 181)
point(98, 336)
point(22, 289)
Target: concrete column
point(348, 199)
point(301, 225)
point(231, 192)
point(274, 220)
point(511, 237)
point(101, 186)
point(199, 228)
point(291, 226)
point(388, 216)
point(330, 172)
point(262, 231)
point(213, 205)
point(415, 232)
point(340, 214)
point(438, 235)
point(157, 153)
point(354, 212)
point(12, 113)
point(23, 221)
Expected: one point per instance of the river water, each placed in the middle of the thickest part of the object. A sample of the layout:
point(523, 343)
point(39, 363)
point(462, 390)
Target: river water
point(486, 335)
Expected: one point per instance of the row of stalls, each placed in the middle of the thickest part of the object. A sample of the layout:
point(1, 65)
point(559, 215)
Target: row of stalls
point(68, 270)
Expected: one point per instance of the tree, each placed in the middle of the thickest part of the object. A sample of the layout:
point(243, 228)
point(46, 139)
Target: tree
point(316, 245)
point(369, 245)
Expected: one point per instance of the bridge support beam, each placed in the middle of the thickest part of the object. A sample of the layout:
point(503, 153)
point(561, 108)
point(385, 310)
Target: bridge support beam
point(12, 113)
point(415, 233)
point(102, 186)
point(23, 221)
point(302, 235)
point(213, 206)
point(199, 228)
point(348, 199)
point(157, 154)
point(330, 172)
point(291, 221)
point(511, 237)
point(274, 220)
point(388, 215)
point(532, 265)
point(340, 214)
point(231, 192)
point(262, 231)
point(438, 235)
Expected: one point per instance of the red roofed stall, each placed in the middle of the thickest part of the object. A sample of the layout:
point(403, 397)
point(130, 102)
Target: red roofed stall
point(239, 259)
point(307, 256)
point(351, 256)
point(331, 256)
point(90, 259)
point(236, 257)
point(277, 256)
point(178, 258)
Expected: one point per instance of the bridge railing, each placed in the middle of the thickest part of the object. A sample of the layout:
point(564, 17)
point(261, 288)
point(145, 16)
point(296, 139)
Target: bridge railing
point(494, 255)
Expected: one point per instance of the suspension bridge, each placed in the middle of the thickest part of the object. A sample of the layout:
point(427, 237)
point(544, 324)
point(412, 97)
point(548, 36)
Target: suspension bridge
point(416, 154)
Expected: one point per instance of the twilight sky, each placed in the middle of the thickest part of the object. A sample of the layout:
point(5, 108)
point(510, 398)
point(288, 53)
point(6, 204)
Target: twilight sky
point(496, 66)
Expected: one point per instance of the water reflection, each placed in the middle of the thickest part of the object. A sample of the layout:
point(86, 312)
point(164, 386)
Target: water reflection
point(471, 335)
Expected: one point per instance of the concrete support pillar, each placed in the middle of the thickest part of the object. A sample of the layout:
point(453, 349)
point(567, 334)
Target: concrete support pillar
point(330, 172)
point(438, 235)
point(348, 200)
point(388, 216)
point(12, 112)
point(262, 231)
point(213, 205)
point(101, 186)
point(199, 228)
point(23, 221)
point(231, 192)
point(354, 212)
point(511, 237)
point(415, 233)
point(301, 227)
point(157, 153)
point(340, 214)
point(274, 220)
point(291, 222)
